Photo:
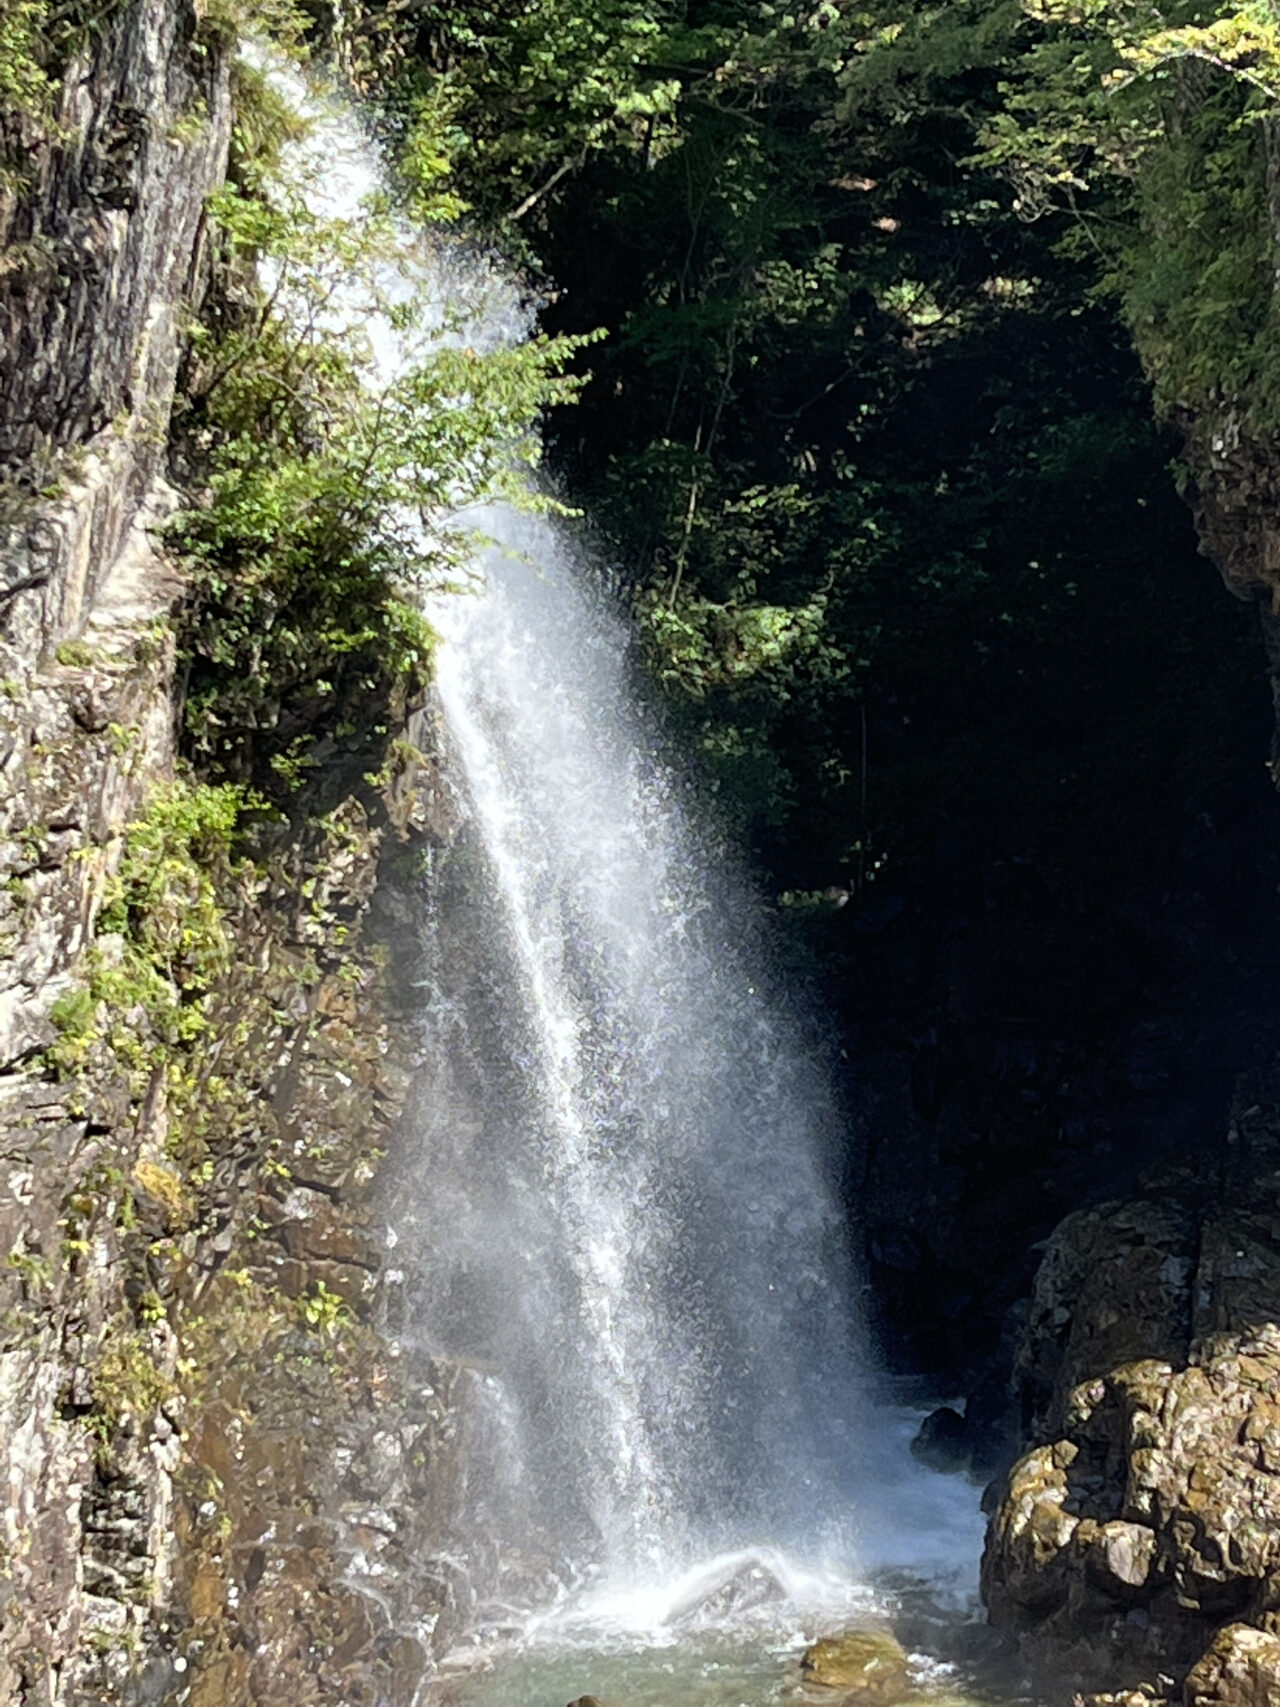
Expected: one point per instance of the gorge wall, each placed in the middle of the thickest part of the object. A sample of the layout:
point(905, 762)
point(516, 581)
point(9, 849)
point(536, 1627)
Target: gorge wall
point(1139, 1533)
point(209, 1462)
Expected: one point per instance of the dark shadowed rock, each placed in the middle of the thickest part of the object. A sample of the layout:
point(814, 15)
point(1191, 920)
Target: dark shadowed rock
point(943, 1441)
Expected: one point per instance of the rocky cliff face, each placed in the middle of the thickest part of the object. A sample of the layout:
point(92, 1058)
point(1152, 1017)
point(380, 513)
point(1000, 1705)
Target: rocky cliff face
point(1141, 1531)
point(104, 237)
point(103, 228)
point(206, 1448)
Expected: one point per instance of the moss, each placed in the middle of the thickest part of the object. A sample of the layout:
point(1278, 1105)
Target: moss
point(128, 1385)
point(164, 1186)
point(162, 935)
point(25, 83)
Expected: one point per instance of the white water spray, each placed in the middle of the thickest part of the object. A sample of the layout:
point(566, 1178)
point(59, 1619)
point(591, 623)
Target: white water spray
point(641, 1220)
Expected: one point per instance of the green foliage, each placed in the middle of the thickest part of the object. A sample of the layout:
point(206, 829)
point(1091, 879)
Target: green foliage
point(162, 935)
point(263, 125)
point(25, 83)
point(323, 1311)
point(1199, 284)
point(867, 430)
point(505, 105)
point(327, 481)
point(127, 1384)
point(430, 145)
point(230, 22)
point(37, 40)
point(34, 1271)
point(1142, 127)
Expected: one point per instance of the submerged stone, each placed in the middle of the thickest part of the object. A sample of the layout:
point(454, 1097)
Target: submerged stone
point(736, 1584)
point(868, 1667)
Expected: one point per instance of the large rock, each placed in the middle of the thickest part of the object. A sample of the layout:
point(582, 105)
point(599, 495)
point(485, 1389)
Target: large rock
point(864, 1668)
point(1240, 1669)
point(736, 1584)
point(1147, 1513)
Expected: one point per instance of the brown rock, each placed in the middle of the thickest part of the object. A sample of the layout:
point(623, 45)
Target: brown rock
point(219, 1680)
point(1152, 1502)
point(1241, 1668)
point(1122, 1558)
point(208, 1592)
point(1029, 1537)
point(867, 1666)
point(1122, 1698)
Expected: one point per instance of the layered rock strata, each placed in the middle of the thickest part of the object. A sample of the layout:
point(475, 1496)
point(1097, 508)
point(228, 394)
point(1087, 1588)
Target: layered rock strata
point(212, 1474)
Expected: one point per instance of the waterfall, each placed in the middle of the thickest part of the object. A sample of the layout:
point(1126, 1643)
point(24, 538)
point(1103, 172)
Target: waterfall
point(616, 1205)
point(626, 1136)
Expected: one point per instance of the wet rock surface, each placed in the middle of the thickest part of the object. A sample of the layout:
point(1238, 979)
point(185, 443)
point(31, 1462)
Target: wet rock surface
point(214, 1480)
point(943, 1441)
point(863, 1668)
point(305, 1452)
point(1142, 1530)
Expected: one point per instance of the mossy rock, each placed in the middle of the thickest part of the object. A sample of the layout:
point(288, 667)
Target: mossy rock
point(867, 1667)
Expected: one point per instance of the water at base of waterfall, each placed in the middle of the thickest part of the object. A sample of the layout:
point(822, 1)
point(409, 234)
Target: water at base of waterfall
point(758, 1667)
point(640, 1650)
point(731, 1631)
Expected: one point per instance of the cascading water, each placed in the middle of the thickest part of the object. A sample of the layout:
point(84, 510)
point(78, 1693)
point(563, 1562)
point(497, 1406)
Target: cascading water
point(642, 1235)
point(618, 1210)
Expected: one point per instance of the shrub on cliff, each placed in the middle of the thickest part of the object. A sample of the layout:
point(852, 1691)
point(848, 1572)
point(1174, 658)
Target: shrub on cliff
point(329, 473)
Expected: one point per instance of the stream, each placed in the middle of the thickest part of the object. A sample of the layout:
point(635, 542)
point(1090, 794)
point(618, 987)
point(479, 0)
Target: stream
point(732, 1630)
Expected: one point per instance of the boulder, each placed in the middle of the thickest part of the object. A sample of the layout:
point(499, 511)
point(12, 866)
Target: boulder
point(1122, 1559)
point(1240, 1669)
point(867, 1667)
point(942, 1441)
point(735, 1583)
point(1146, 1513)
